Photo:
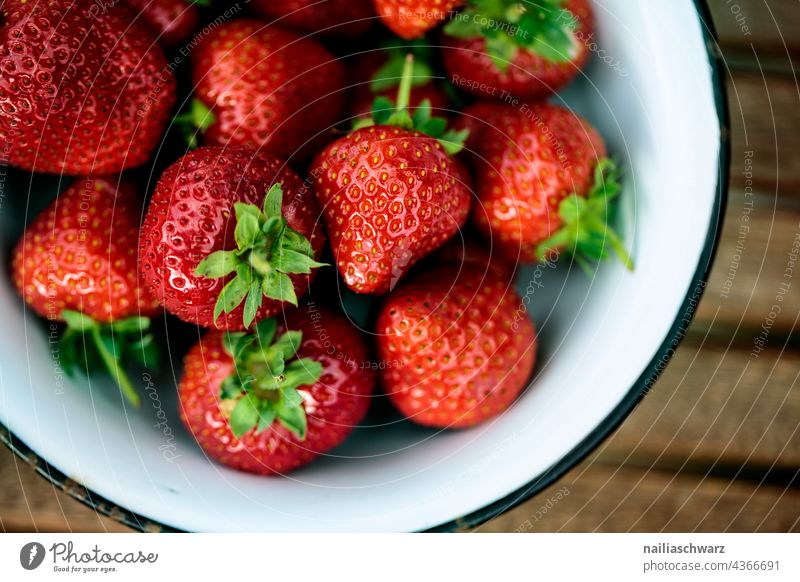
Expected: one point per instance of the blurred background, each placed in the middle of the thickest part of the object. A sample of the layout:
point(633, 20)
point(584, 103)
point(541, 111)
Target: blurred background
point(715, 445)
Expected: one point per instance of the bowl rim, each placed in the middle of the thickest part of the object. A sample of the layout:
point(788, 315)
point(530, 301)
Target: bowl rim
point(600, 433)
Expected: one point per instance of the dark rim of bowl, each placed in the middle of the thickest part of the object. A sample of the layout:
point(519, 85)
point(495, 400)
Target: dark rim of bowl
point(610, 423)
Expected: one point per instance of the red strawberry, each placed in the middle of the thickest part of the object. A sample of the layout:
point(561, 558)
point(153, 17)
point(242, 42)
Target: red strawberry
point(469, 251)
point(285, 398)
point(230, 237)
point(267, 87)
point(463, 345)
point(390, 194)
point(83, 90)
point(505, 48)
point(413, 18)
point(172, 20)
point(345, 18)
point(378, 72)
point(75, 263)
point(545, 185)
point(475, 119)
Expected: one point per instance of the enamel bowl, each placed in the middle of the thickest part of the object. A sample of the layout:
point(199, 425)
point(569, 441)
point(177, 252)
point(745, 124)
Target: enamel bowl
point(654, 92)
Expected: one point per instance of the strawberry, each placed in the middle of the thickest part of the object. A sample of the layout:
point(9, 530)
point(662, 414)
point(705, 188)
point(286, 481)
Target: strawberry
point(267, 88)
point(468, 251)
point(390, 193)
point(413, 18)
point(343, 18)
point(173, 21)
point(475, 119)
point(510, 48)
point(377, 73)
point(462, 344)
point(270, 401)
point(230, 237)
point(75, 264)
point(84, 90)
point(546, 185)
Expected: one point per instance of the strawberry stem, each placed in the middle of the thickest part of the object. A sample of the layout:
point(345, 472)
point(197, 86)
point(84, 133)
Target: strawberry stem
point(114, 369)
point(404, 90)
point(388, 76)
point(384, 112)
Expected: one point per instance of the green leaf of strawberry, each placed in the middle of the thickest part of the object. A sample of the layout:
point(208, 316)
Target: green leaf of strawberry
point(244, 416)
point(294, 419)
point(586, 233)
point(218, 265)
point(87, 345)
point(266, 379)
point(384, 112)
point(544, 27)
point(194, 121)
point(268, 251)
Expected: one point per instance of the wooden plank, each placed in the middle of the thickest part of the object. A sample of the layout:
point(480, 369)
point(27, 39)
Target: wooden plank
point(765, 133)
point(768, 25)
point(29, 503)
point(717, 410)
point(595, 497)
point(753, 271)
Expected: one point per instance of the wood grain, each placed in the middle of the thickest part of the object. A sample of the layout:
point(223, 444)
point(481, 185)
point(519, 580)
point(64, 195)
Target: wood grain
point(717, 410)
point(29, 503)
point(770, 27)
point(765, 134)
point(602, 498)
point(751, 272)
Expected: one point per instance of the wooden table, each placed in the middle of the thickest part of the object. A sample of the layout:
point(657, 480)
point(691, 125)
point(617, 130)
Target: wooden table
point(715, 446)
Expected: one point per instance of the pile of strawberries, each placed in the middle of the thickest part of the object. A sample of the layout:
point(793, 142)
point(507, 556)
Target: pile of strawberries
point(423, 168)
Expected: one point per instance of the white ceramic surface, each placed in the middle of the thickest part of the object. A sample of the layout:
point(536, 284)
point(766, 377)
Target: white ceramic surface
point(657, 112)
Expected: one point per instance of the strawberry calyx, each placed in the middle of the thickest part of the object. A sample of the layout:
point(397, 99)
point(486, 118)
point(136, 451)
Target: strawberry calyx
point(193, 121)
point(586, 234)
point(388, 112)
point(88, 345)
point(268, 251)
point(263, 386)
point(544, 27)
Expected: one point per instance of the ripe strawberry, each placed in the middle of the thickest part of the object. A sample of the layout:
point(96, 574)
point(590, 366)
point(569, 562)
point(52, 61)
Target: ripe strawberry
point(463, 344)
point(475, 119)
point(226, 226)
point(502, 48)
point(268, 88)
point(545, 185)
point(413, 18)
point(271, 401)
point(75, 263)
point(343, 18)
point(468, 251)
point(377, 73)
point(390, 193)
point(173, 21)
point(84, 89)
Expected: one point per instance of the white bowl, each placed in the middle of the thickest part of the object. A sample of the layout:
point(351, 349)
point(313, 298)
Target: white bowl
point(656, 96)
